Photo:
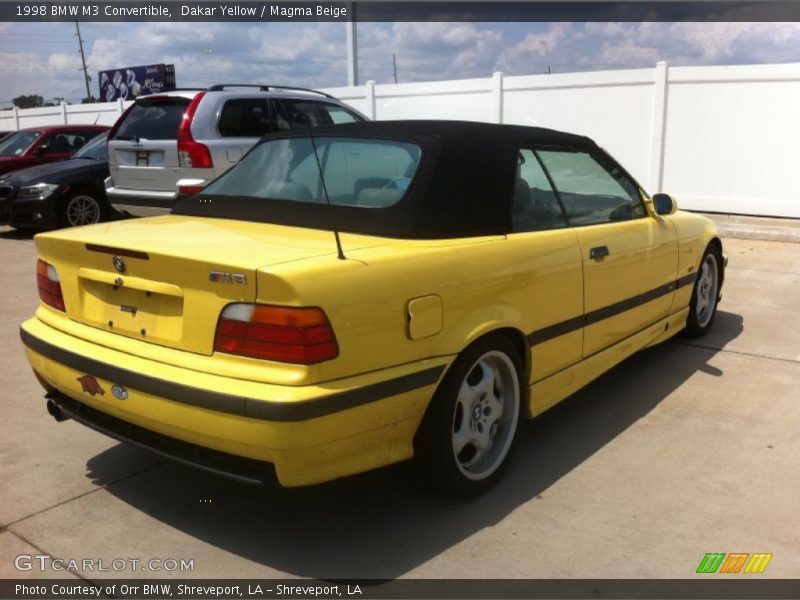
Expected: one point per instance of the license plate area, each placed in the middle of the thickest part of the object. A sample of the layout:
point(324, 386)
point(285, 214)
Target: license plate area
point(141, 158)
point(136, 313)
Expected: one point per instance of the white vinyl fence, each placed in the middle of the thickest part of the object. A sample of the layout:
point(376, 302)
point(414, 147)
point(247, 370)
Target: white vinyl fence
point(719, 139)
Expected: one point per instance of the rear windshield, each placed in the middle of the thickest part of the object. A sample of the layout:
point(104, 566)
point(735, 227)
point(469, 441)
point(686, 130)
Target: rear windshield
point(358, 172)
point(156, 119)
point(16, 143)
point(95, 149)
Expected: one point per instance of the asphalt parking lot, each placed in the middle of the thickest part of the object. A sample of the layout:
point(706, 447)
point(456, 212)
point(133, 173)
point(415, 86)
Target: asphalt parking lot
point(685, 449)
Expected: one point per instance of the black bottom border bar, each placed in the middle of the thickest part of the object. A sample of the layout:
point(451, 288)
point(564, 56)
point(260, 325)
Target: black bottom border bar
point(713, 587)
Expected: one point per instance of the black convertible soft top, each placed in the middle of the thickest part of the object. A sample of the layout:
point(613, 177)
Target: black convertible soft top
point(463, 187)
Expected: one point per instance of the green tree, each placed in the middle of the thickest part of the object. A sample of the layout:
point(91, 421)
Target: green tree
point(30, 101)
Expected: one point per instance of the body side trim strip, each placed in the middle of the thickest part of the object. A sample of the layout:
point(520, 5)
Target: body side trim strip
point(228, 403)
point(562, 328)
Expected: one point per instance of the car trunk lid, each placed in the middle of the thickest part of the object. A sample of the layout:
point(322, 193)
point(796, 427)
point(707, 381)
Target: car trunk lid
point(165, 280)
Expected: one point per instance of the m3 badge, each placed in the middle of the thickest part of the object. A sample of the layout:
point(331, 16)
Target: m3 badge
point(223, 277)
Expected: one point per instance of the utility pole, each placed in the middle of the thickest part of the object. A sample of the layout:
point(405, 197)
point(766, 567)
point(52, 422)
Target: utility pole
point(352, 47)
point(394, 67)
point(83, 61)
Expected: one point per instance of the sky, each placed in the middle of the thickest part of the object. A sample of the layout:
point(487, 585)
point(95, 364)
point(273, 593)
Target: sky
point(43, 58)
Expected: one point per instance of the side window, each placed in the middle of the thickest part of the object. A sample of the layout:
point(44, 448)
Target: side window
point(590, 192)
point(535, 206)
point(244, 117)
point(78, 139)
point(65, 142)
point(337, 114)
point(294, 114)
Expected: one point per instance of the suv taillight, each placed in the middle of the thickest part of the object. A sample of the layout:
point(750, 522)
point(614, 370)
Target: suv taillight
point(190, 152)
point(49, 285)
point(281, 333)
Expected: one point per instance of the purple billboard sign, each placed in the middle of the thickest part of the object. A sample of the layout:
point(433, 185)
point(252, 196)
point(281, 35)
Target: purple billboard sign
point(131, 82)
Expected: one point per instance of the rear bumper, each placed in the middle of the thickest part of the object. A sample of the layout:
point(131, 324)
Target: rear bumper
point(246, 470)
point(146, 203)
point(309, 433)
point(139, 203)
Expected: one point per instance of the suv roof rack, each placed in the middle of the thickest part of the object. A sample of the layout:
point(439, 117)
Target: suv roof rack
point(266, 88)
point(185, 89)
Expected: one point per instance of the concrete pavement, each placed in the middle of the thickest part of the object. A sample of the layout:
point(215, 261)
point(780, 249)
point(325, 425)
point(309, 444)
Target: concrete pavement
point(687, 448)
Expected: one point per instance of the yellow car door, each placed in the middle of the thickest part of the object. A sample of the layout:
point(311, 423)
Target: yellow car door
point(550, 282)
point(630, 259)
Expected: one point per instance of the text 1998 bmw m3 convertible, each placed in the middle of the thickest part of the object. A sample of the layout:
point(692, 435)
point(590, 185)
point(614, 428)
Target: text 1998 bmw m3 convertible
point(484, 273)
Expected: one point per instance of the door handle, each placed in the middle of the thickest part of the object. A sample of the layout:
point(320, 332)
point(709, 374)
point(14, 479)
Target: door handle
point(598, 252)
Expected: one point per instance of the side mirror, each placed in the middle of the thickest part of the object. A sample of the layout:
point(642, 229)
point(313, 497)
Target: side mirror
point(664, 204)
point(40, 150)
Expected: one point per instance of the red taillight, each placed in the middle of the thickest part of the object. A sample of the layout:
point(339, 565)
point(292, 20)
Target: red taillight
point(49, 285)
point(192, 153)
point(280, 333)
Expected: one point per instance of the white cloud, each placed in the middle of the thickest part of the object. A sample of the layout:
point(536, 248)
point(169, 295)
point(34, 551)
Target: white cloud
point(592, 46)
point(42, 58)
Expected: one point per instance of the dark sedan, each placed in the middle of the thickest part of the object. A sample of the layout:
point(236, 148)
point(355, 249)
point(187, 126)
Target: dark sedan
point(62, 194)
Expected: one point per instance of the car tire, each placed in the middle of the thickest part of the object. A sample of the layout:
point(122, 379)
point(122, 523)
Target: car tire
point(467, 434)
point(705, 294)
point(82, 207)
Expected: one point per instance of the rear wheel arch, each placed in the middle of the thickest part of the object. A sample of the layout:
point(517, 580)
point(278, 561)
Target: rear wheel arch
point(430, 440)
point(516, 337)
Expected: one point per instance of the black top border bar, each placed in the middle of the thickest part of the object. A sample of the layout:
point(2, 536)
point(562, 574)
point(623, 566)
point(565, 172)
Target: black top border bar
point(398, 10)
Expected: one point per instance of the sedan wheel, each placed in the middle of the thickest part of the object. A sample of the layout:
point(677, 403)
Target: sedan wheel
point(468, 431)
point(705, 295)
point(485, 415)
point(82, 209)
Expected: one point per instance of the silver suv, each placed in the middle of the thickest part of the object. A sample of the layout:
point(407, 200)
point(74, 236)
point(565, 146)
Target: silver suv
point(175, 143)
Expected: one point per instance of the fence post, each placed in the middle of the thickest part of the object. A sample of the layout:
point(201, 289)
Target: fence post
point(371, 99)
point(658, 128)
point(120, 107)
point(497, 97)
point(64, 112)
point(16, 118)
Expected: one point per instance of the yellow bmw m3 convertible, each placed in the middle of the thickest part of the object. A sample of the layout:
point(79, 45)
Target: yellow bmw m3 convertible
point(376, 291)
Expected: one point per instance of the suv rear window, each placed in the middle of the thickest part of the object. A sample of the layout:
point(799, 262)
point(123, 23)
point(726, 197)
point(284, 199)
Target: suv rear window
point(153, 119)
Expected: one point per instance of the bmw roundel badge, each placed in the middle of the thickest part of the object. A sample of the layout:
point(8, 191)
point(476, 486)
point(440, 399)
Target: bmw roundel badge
point(120, 392)
point(119, 264)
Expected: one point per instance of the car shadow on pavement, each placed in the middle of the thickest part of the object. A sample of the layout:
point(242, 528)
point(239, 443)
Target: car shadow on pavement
point(385, 523)
point(17, 234)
